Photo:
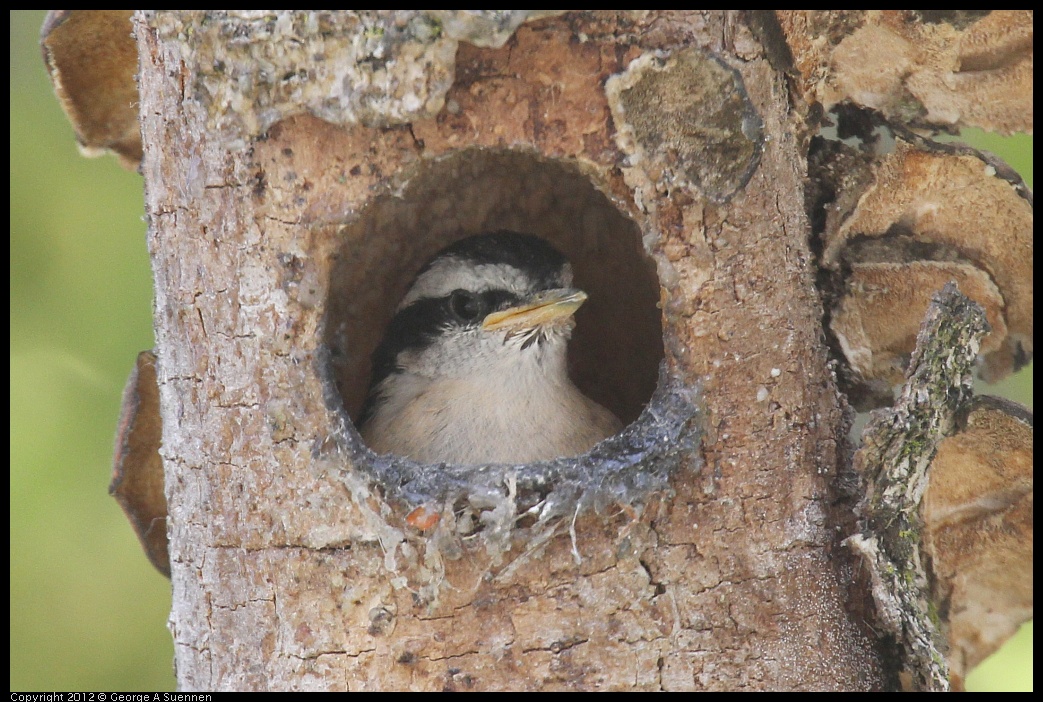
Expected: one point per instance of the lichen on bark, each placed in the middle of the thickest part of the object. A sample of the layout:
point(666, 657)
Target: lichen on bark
point(898, 446)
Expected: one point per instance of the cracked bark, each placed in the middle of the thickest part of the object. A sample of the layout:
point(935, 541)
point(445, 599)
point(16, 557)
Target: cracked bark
point(735, 581)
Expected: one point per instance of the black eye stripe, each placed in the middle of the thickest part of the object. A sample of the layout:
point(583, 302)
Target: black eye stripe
point(428, 316)
point(425, 319)
point(476, 305)
point(416, 326)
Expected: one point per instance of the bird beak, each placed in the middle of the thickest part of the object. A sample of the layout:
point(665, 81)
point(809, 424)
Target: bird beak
point(540, 310)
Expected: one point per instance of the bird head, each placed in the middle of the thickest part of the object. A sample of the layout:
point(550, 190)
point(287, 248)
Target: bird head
point(477, 349)
point(488, 305)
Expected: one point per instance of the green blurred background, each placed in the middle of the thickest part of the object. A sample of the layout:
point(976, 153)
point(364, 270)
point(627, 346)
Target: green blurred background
point(87, 610)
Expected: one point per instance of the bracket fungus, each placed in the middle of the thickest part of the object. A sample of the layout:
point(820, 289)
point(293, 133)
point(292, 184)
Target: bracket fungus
point(939, 70)
point(946, 525)
point(896, 229)
point(137, 474)
point(977, 513)
point(91, 58)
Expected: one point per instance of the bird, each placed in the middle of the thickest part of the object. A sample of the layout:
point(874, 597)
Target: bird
point(473, 367)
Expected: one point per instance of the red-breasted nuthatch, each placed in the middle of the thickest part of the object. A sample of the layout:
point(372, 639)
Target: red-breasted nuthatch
point(473, 366)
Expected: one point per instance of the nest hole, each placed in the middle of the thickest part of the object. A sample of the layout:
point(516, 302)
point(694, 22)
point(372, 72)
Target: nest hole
point(617, 345)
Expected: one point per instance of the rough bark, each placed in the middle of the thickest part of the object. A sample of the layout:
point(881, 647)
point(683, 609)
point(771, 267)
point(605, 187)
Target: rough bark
point(734, 580)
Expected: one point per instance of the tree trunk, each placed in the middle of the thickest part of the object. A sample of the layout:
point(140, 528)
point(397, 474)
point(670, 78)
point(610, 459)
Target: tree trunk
point(276, 236)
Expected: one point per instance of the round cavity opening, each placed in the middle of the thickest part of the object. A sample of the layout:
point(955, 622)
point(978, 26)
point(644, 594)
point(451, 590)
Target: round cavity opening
point(617, 343)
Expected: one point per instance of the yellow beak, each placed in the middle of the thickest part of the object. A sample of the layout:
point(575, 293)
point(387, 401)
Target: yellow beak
point(542, 309)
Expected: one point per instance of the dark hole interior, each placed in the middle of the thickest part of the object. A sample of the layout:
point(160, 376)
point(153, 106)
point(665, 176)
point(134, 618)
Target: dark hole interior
point(617, 345)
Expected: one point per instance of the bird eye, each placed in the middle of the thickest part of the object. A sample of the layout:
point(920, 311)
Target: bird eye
point(467, 306)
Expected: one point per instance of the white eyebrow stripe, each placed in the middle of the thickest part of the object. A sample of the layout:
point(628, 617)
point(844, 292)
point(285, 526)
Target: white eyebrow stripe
point(452, 273)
